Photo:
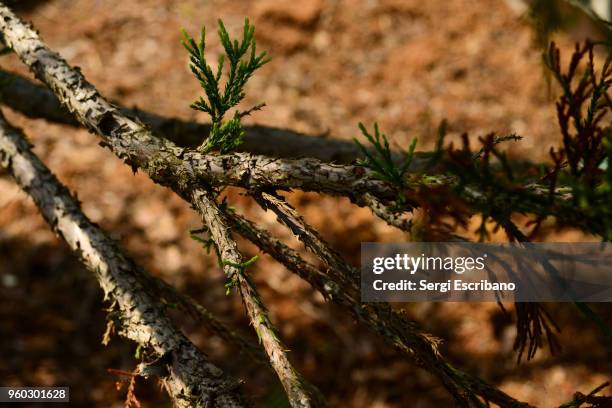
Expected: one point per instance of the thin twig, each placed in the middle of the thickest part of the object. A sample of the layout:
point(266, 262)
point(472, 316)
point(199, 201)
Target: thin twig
point(393, 327)
point(340, 270)
point(300, 393)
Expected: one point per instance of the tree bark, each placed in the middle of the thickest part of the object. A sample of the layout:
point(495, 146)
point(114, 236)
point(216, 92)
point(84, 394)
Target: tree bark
point(36, 101)
point(300, 393)
point(185, 171)
point(136, 313)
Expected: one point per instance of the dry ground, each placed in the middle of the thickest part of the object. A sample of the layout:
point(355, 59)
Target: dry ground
point(404, 63)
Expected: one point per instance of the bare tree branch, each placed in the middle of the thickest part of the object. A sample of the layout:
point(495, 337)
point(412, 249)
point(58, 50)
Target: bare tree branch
point(184, 170)
point(383, 212)
point(37, 101)
point(210, 321)
point(300, 393)
point(188, 376)
point(286, 256)
point(340, 270)
point(393, 327)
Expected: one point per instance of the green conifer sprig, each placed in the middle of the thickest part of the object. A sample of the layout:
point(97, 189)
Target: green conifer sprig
point(224, 136)
point(380, 161)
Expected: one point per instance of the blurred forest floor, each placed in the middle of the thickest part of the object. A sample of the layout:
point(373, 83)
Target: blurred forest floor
point(404, 63)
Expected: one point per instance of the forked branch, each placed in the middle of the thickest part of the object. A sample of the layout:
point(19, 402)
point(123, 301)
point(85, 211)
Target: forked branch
point(300, 393)
point(136, 312)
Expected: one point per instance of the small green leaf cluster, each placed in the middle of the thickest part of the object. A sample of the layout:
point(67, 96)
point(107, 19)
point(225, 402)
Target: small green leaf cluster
point(209, 244)
point(224, 136)
point(380, 160)
point(232, 282)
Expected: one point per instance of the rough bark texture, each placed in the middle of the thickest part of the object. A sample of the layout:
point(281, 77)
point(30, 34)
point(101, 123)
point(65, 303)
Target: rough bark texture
point(339, 269)
point(183, 170)
point(161, 159)
point(393, 327)
point(300, 393)
point(286, 256)
point(136, 313)
point(384, 212)
point(36, 101)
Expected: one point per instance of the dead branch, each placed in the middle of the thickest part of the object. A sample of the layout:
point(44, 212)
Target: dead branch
point(38, 102)
point(384, 212)
point(184, 171)
point(300, 393)
point(395, 328)
point(136, 313)
point(340, 270)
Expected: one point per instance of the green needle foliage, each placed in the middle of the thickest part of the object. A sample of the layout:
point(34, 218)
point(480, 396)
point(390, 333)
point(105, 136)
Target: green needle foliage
point(208, 243)
point(380, 161)
point(243, 59)
point(243, 265)
point(241, 269)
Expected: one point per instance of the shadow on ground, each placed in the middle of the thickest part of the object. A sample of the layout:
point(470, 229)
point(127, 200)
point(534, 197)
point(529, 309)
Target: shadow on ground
point(24, 5)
